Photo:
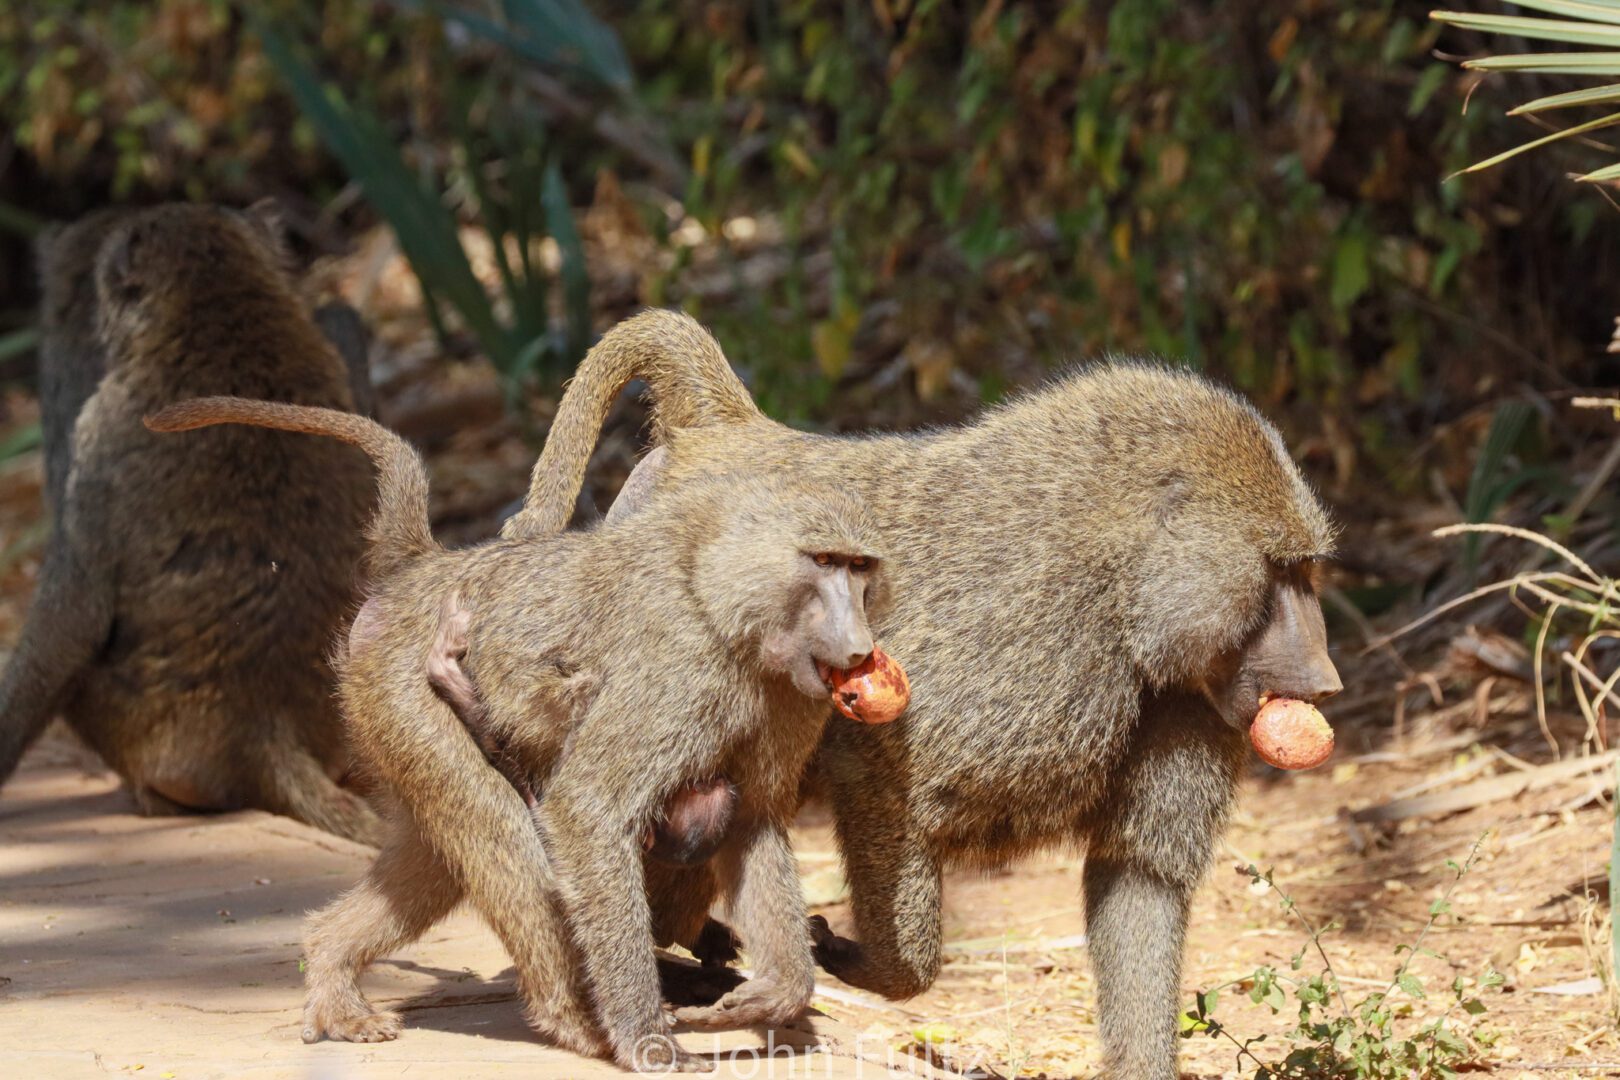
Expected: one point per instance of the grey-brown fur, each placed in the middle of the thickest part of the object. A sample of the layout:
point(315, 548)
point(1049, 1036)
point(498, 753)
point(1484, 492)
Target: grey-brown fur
point(614, 668)
point(73, 360)
point(1092, 584)
point(189, 592)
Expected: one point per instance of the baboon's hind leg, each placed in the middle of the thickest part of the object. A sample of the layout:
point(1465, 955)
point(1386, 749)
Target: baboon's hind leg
point(405, 892)
point(767, 905)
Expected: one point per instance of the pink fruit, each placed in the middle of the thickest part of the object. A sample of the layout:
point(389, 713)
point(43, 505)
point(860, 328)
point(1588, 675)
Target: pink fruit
point(875, 691)
point(1291, 734)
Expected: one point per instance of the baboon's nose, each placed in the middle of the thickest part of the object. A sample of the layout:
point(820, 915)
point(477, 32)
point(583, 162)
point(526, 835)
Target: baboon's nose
point(852, 651)
point(854, 659)
point(1321, 682)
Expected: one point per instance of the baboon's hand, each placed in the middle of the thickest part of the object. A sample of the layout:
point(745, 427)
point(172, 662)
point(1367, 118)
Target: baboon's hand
point(716, 945)
point(686, 984)
point(833, 953)
point(761, 1002)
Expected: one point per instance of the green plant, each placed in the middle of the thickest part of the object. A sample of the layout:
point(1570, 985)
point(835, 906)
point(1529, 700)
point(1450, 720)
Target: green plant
point(1381, 1036)
point(1586, 604)
point(1499, 470)
point(1580, 22)
point(499, 170)
point(1057, 180)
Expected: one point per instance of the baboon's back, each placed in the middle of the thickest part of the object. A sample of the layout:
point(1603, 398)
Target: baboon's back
point(231, 552)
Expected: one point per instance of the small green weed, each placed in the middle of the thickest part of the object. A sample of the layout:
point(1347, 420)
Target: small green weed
point(1384, 1036)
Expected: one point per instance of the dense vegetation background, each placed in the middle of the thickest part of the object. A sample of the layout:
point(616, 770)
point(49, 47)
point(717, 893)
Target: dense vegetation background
point(889, 210)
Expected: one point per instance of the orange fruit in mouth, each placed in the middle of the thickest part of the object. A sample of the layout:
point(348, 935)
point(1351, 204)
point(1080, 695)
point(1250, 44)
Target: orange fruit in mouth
point(875, 691)
point(1291, 734)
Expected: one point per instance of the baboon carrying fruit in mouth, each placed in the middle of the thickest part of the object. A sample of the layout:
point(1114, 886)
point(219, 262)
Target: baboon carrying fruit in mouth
point(189, 592)
point(1095, 586)
point(618, 673)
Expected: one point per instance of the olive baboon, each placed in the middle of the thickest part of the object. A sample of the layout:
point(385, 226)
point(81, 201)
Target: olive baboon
point(1094, 586)
point(614, 668)
point(189, 592)
point(73, 360)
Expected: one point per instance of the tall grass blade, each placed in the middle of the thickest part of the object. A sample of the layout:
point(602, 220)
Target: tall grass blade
point(1485, 491)
point(576, 284)
point(1598, 63)
point(15, 219)
point(552, 34)
point(1578, 129)
point(1594, 95)
point(426, 229)
point(21, 441)
point(1576, 33)
point(18, 342)
point(1595, 10)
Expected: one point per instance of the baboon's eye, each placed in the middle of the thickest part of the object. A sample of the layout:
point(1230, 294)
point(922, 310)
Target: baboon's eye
point(859, 562)
point(823, 559)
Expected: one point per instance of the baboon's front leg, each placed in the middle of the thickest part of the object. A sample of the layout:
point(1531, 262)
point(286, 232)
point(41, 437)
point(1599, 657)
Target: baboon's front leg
point(1146, 852)
point(766, 905)
point(895, 891)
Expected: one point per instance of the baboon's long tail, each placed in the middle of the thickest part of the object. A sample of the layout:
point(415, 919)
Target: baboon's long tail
point(399, 530)
point(691, 386)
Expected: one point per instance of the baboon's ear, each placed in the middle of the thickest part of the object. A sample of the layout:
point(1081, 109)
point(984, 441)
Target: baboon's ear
point(117, 267)
point(267, 218)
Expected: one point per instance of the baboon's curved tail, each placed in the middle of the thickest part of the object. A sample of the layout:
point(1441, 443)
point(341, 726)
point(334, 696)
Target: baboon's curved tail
point(398, 530)
point(691, 386)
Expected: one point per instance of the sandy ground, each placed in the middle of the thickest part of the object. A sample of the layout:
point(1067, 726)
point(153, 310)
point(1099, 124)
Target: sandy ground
point(168, 947)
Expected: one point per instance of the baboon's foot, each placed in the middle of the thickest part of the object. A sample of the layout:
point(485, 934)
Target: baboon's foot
point(761, 1002)
point(362, 1025)
point(660, 1054)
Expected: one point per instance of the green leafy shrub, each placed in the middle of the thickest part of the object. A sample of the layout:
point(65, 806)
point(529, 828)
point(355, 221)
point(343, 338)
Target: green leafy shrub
point(124, 98)
point(1068, 178)
point(1395, 1033)
point(509, 181)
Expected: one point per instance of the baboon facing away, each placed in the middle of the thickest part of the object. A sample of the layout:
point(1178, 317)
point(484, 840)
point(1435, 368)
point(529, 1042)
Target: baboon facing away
point(1093, 586)
point(73, 359)
point(189, 592)
point(617, 670)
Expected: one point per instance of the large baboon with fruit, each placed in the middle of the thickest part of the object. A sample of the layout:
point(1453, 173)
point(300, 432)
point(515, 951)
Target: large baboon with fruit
point(1095, 584)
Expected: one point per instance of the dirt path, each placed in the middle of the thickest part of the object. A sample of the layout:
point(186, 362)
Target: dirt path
point(168, 947)
point(1028, 1011)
